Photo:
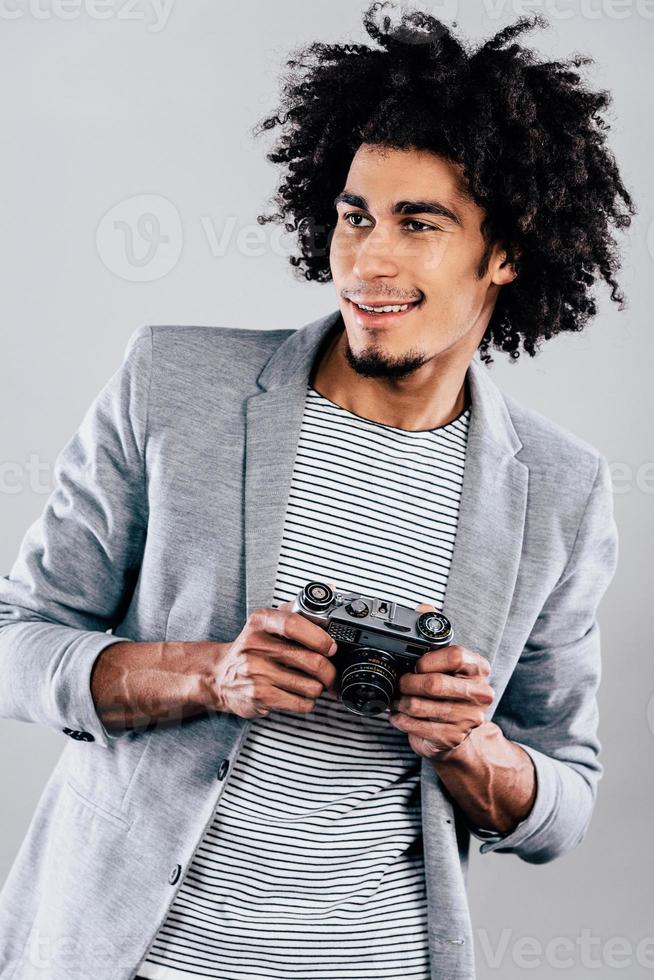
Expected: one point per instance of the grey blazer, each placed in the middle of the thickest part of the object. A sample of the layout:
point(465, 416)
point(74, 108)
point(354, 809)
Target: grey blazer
point(166, 522)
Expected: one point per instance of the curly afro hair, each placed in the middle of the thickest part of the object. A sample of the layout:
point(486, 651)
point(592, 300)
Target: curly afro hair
point(528, 135)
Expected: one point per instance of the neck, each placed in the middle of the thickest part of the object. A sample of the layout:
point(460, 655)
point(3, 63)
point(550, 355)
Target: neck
point(431, 397)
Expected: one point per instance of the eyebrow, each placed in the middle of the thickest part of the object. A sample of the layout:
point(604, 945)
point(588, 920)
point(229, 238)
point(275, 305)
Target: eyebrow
point(402, 207)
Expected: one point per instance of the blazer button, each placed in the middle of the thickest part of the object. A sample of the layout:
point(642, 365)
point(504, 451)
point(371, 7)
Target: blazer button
point(79, 736)
point(222, 771)
point(174, 874)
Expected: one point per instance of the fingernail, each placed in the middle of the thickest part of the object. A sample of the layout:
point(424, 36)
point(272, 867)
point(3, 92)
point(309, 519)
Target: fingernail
point(333, 648)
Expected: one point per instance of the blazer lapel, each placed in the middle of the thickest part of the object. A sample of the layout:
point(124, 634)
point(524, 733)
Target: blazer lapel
point(274, 419)
point(488, 541)
point(273, 423)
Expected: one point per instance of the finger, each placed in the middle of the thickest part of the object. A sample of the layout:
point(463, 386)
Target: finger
point(436, 685)
point(426, 607)
point(453, 659)
point(444, 712)
point(277, 699)
point(314, 665)
point(293, 626)
point(293, 681)
point(443, 736)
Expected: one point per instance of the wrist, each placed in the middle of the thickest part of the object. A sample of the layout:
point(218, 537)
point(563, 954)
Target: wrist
point(136, 684)
point(491, 777)
point(204, 657)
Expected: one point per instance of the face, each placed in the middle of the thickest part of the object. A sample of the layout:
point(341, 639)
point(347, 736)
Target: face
point(425, 252)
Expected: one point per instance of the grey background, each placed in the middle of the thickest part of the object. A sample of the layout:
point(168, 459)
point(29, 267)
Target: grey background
point(105, 104)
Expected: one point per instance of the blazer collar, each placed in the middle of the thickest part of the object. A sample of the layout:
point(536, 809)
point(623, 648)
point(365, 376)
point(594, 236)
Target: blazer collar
point(492, 509)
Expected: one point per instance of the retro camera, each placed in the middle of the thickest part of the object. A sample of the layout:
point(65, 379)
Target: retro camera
point(378, 641)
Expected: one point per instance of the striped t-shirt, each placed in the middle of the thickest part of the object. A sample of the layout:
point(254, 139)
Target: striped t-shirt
point(312, 867)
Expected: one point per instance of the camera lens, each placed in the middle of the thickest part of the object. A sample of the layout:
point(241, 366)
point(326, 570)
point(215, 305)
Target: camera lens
point(317, 596)
point(368, 681)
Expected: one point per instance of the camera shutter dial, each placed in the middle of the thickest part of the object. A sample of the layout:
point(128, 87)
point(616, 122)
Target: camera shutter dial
point(435, 627)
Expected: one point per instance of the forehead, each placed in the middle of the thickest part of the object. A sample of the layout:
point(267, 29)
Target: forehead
point(384, 174)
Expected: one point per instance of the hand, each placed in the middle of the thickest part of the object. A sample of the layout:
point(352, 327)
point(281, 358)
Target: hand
point(279, 660)
point(444, 700)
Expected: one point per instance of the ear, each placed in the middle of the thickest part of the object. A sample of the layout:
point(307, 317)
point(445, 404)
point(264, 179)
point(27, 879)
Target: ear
point(504, 269)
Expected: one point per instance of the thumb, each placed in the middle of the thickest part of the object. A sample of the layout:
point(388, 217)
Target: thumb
point(425, 607)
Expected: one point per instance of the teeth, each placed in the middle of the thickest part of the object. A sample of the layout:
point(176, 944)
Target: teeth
point(384, 309)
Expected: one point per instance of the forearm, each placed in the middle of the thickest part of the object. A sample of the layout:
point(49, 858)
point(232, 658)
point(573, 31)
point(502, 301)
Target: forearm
point(135, 684)
point(492, 779)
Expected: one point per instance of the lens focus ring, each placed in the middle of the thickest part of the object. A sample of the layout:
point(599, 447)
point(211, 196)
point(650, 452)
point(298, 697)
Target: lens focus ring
point(369, 681)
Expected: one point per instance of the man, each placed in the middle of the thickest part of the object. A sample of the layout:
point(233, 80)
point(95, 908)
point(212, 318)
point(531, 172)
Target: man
point(218, 811)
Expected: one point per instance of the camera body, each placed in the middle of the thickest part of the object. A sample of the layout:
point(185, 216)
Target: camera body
point(378, 640)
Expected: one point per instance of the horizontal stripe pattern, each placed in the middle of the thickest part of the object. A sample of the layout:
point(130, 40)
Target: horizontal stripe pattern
point(312, 866)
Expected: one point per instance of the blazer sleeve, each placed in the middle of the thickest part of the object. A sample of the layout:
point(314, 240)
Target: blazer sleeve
point(549, 706)
point(78, 562)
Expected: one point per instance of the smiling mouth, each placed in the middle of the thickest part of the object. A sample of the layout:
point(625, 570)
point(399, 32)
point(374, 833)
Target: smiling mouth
point(382, 313)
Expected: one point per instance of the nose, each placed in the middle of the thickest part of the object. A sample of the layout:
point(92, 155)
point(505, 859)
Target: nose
point(374, 256)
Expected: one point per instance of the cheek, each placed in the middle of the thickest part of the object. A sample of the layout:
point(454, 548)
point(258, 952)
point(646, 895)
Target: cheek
point(435, 259)
point(454, 305)
point(450, 280)
point(342, 254)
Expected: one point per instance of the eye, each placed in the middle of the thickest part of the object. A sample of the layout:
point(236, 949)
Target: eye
point(411, 221)
point(414, 221)
point(353, 214)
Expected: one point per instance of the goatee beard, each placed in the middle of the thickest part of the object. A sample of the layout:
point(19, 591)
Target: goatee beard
point(373, 363)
